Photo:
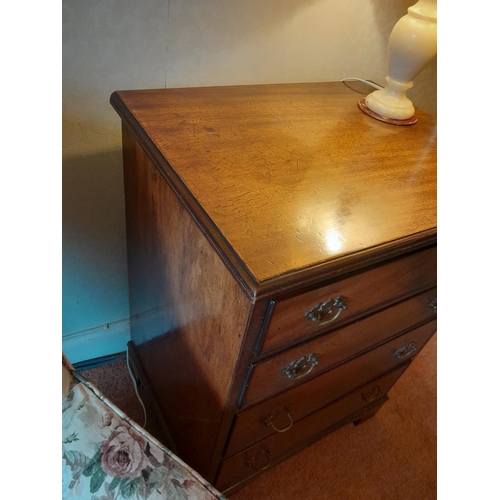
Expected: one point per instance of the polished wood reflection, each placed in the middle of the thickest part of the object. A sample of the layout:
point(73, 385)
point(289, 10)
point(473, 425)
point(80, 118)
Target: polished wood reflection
point(292, 175)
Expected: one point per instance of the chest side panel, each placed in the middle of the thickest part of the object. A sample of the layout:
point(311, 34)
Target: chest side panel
point(188, 314)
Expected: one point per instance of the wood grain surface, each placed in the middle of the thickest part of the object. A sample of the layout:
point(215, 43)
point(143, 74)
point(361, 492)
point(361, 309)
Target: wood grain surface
point(292, 175)
point(338, 382)
point(376, 288)
point(188, 313)
point(267, 376)
point(280, 445)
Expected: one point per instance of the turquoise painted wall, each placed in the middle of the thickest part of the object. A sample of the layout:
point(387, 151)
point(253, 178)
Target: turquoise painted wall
point(126, 44)
point(107, 45)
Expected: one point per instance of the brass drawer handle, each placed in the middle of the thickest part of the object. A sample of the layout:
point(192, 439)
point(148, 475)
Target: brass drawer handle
point(268, 421)
point(434, 305)
point(372, 395)
point(405, 350)
point(250, 461)
point(301, 367)
point(329, 311)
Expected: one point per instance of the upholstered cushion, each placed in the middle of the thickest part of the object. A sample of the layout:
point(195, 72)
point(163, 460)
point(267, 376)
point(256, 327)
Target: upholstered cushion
point(107, 456)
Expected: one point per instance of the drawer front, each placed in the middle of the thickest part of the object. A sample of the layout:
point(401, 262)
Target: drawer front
point(306, 361)
point(278, 446)
point(331, 305)
point(253, 425)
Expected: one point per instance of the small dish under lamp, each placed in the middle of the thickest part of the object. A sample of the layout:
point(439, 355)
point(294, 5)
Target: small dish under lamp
point(412, 45)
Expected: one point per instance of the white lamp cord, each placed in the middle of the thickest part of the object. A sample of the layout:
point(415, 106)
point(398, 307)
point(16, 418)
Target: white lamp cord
point(137, 391)
point(354, 79)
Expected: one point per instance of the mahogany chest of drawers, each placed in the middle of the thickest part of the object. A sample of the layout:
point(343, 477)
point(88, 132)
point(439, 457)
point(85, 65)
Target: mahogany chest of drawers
point(282, 264)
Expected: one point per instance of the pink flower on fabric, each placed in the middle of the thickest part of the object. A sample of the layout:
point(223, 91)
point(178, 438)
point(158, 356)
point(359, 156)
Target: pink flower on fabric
point(123, 453)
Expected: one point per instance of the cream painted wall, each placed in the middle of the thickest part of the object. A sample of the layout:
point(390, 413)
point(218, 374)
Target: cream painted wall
point(125, 44)
point(228, 42)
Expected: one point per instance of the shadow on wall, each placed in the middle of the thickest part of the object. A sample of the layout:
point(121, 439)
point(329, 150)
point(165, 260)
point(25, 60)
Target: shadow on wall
point(94, 248)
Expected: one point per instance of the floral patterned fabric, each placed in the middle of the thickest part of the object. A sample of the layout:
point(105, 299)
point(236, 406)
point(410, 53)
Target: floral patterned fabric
point(107, 456)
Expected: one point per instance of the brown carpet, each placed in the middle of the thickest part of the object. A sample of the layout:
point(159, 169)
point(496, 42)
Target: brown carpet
point(390, 457)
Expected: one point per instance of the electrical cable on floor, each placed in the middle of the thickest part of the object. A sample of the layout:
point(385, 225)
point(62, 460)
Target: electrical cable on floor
point(367, 82)
point(137, 391)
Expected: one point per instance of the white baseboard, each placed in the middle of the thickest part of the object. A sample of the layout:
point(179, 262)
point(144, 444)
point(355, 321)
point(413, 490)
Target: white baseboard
point(97, 342)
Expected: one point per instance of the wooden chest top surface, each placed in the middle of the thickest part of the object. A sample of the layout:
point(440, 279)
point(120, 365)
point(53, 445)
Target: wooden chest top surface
point(289, 176)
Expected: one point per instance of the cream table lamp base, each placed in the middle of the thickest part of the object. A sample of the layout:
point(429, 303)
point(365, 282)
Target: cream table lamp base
point(393, 121)
point(412, 44)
